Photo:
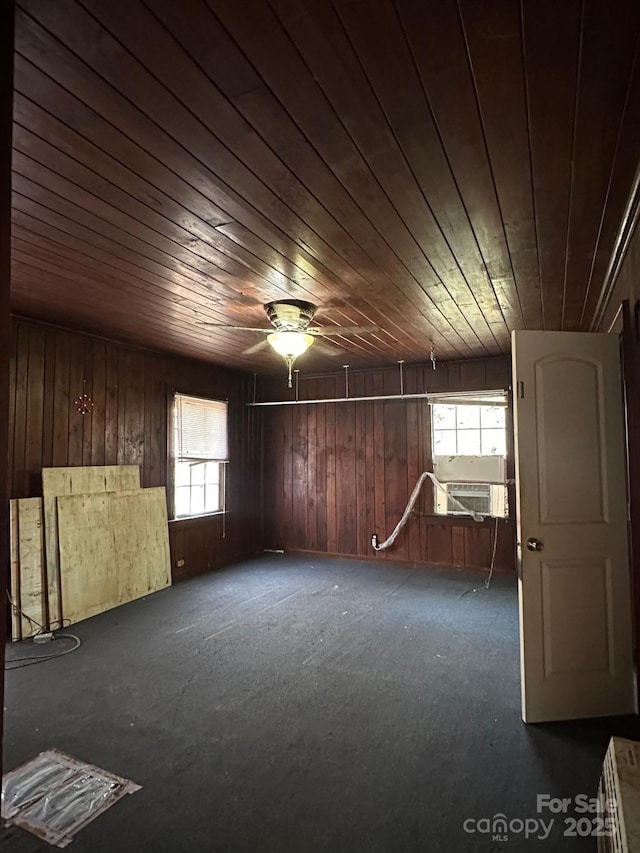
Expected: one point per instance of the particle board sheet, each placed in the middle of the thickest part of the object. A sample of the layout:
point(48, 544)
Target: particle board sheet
point(113, 547)
point(28, 578)
point(85, 480)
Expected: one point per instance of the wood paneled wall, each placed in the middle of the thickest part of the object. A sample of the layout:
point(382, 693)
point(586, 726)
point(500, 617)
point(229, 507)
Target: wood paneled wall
point(335, 473)
point(627, 289)
point(51, 367)
point(6, 122)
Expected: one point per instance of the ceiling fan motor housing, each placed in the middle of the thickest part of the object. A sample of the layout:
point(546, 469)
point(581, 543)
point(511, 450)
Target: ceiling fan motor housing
point(290, 313)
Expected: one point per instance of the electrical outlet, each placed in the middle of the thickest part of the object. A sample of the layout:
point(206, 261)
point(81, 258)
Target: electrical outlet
point(43, 637)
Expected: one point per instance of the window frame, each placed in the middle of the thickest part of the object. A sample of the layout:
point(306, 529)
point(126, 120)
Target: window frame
point(172, 460)
point(474, 398)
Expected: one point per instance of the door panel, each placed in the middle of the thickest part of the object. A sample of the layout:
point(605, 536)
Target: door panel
point(569, 401)
point(574, 588)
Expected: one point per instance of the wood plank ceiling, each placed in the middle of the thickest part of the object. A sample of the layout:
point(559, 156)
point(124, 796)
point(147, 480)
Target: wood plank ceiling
point(448, 171)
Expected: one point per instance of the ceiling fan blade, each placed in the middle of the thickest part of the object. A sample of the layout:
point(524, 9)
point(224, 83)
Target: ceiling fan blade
point(256, 347)
point(235, 328)
point(327, 331)
point(325, 348)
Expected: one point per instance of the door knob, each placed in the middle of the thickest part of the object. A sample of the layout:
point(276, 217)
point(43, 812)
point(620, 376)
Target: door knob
point(534, 544)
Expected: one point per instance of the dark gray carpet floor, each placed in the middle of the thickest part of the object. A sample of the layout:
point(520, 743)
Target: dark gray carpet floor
point(303, 706)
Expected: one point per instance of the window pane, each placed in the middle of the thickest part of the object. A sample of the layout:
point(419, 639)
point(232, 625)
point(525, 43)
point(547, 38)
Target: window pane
point(444, 417)
point(212, 499)
point(469, 442)
point(183, 474)
point(197, 474)
point(468, 417)
point(201, 428)
point(197, 500)
point(212, 473)
point(492, 416)
point(493, 442)
point(444, 442)
point(182, 501)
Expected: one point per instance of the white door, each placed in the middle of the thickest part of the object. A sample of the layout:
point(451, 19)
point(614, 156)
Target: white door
point(576, 648)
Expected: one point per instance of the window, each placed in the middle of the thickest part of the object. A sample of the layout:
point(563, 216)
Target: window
point(201, 455)
point(468, 430)
point(469, 455)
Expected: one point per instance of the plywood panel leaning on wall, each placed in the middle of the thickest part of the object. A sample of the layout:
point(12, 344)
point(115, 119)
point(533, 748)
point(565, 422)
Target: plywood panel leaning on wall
point(28, 577)
point(73, 481)
point(114, 548)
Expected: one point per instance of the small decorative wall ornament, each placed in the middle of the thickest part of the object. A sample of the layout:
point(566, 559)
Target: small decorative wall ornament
point(84, 403)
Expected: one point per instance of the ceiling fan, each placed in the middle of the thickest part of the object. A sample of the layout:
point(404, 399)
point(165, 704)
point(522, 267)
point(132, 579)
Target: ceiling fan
point(290, 334)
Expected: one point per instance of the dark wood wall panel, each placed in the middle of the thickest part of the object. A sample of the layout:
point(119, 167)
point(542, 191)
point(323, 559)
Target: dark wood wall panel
point(626, 293)
point(6, 110)
point(51, 367)
point(337, 472)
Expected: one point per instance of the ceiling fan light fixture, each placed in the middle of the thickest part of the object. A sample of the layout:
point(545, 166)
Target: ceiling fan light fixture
point(290, 345)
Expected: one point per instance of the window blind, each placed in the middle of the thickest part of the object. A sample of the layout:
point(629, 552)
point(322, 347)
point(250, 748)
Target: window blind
point(201, 429)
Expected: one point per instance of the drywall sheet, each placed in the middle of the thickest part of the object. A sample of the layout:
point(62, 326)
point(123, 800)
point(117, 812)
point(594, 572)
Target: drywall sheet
point(28, 579)
point(74, 481)
point(114, 548)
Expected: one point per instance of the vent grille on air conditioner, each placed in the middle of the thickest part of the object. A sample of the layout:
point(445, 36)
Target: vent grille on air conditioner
point(476, 497)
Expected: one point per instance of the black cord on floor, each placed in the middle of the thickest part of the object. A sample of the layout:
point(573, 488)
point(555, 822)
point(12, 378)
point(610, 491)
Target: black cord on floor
point(30, 660)
point(487, 580)
point(41, 629)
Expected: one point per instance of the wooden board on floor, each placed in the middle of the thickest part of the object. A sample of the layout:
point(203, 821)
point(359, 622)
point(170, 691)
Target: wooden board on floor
point(75, 481)
point(114, 548)
point(28, 583)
